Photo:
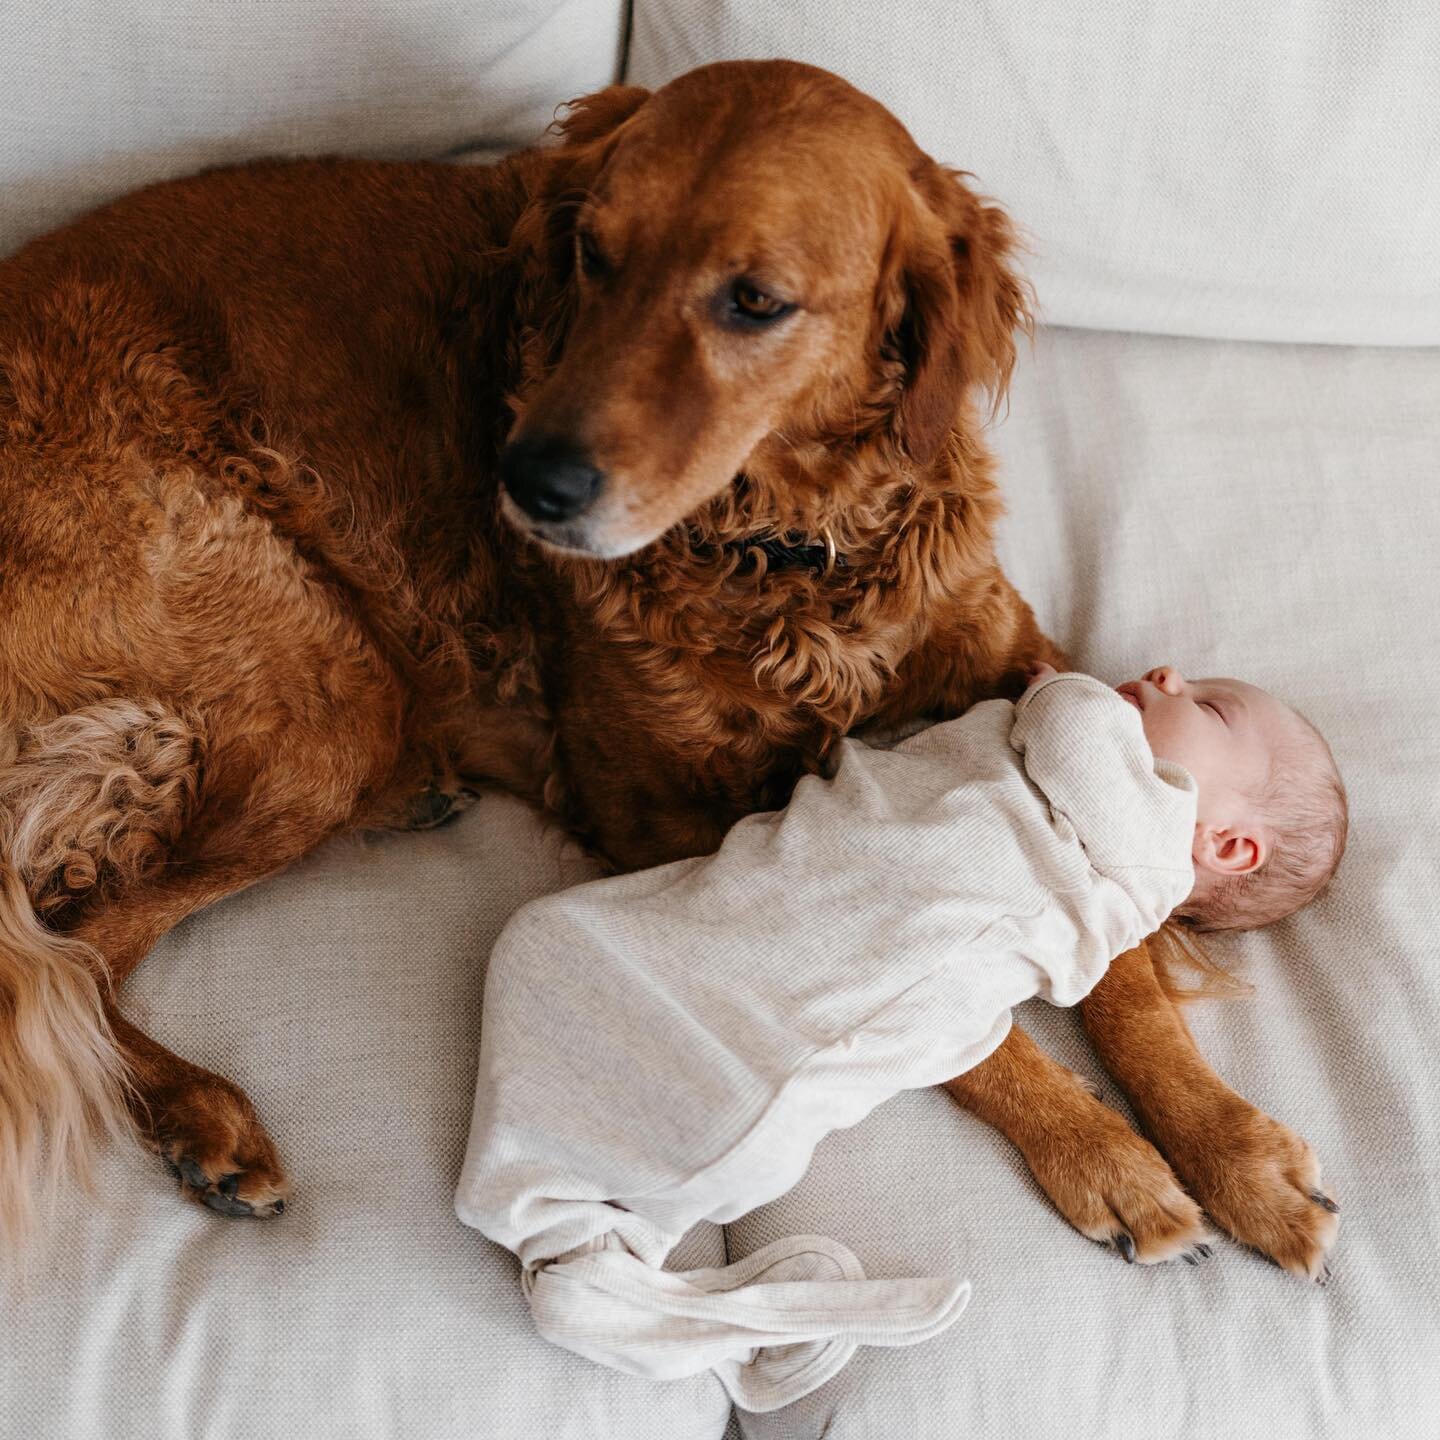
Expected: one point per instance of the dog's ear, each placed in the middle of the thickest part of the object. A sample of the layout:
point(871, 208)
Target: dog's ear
point(543, 237)
point(951, 303)
point(593, 117)
point(587, 130)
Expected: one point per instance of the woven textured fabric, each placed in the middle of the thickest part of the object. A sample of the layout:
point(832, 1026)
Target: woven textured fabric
point(1266, 172)
point(345, 997)
point(1267, 512)
point(98, 98)
point(669, 1046)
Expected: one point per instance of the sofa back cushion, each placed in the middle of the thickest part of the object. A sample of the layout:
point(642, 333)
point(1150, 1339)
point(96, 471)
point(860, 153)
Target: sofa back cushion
point(1260, 172)
point(97, 98)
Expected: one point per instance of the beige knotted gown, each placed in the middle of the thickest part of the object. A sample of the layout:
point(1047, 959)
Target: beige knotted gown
point(669, 1046)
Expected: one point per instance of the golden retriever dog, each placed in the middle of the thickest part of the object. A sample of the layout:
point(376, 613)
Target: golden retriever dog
point(627, 474)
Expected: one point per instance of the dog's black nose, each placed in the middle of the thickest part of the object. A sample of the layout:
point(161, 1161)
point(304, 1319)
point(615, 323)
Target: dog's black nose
point(549, 479)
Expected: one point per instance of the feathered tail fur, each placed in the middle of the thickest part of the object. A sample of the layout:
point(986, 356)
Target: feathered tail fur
point(90, 802)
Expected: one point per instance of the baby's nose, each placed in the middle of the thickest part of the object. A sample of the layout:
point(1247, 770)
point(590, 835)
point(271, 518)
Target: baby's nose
point(1167, 678)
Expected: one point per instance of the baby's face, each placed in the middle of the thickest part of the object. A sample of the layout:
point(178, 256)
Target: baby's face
point(1224, 732)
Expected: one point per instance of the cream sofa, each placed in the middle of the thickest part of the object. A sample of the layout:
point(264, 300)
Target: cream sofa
point(1268, 509)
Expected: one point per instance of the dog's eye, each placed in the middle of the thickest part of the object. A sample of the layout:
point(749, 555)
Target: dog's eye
point(592, 262)
point(751, 303)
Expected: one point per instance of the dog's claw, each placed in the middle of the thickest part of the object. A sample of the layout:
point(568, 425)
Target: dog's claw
point(228, 1204)
point(1324, 1202)
point(192, 1174)
point(1126, 1246)
point(222, 1193)
point(1204, 1251)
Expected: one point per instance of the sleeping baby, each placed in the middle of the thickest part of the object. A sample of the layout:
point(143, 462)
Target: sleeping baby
point(669, 1046)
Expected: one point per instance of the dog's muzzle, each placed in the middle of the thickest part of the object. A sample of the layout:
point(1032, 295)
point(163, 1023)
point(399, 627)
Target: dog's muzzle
point(549, 479)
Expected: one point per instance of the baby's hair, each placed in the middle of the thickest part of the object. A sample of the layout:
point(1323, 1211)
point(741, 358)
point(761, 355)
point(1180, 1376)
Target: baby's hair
point(1308, 816)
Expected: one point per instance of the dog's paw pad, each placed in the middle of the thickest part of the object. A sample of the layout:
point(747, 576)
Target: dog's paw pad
point(228, 1204)
point(233, 1192)
point(434, 807)
point(215, 1146)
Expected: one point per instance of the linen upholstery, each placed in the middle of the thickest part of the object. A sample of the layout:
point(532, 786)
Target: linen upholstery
point(345, 997)
point(1264, 511)
point(99, 98)
point(669, 1046)
point(1270, 513)
point(1260, 172)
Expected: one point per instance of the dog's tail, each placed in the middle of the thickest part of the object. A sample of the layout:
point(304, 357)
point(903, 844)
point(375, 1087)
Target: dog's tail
point(89, 802)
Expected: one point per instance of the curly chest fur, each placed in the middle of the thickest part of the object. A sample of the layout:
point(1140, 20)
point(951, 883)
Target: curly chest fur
point(682, 701)
point(659, 748)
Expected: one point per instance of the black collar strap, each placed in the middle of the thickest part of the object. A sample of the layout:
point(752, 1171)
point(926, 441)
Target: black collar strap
point(794, 552)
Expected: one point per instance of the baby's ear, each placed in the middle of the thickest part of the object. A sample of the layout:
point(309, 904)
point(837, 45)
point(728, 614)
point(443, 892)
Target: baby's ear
point(1230, 850)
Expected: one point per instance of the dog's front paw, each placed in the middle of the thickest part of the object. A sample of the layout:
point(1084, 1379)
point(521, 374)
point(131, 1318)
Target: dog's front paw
point(1113, 1185)
point(208, 1134)
point(1261, 1182)
point(434, 807)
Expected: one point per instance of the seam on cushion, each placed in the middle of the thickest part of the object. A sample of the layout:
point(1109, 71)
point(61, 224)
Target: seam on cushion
point(627, 35)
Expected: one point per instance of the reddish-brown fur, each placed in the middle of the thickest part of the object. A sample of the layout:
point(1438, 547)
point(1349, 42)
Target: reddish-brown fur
point(249, 432)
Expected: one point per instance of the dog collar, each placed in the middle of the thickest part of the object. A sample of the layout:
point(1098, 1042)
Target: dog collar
point(794, 552)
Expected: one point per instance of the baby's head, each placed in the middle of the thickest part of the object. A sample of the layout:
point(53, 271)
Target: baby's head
point(1271, 814)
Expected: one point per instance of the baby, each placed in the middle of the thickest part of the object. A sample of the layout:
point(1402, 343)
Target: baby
point(669, 1046)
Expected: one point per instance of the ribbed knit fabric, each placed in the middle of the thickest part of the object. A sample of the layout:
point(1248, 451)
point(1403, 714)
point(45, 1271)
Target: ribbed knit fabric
point(669, 1047)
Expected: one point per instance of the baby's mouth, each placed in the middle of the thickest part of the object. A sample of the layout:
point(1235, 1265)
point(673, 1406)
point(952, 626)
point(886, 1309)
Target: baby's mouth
point(1131, 692)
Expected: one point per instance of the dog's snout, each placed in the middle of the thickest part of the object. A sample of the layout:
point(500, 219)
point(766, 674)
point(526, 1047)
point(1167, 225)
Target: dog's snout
point(549, 479)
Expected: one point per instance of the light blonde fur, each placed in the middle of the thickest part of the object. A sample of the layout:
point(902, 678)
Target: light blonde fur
point(89, 802)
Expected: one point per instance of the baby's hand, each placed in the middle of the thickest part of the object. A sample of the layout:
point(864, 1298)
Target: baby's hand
point(1038, 672)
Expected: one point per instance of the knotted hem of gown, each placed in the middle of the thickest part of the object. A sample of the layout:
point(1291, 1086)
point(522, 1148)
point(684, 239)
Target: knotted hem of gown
point(773, 1326)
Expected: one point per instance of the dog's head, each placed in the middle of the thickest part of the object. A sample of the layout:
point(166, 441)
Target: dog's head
point(755, 253)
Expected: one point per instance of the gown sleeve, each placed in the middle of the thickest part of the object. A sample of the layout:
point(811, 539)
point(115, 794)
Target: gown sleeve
point(1084, 748)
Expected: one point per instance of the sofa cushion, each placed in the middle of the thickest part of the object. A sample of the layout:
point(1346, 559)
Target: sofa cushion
point(345, 997)
point(1262, 510)
point(98, 98)
point(1271, 513)
point(1262, 172)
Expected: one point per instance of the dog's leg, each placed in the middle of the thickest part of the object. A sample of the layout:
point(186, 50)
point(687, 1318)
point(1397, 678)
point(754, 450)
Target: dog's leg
point(1107, 1181)
point(204, 1127)
point(201, 1124)
point(1252, 1175)
point(249, 821)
